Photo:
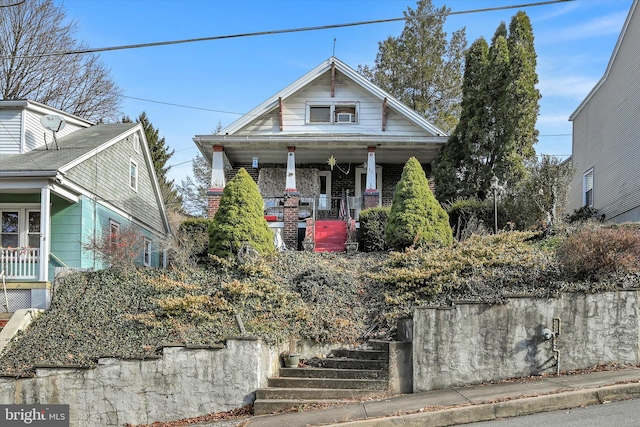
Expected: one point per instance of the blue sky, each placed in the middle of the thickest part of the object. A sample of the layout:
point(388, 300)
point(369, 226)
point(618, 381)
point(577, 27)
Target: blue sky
point(573, 40)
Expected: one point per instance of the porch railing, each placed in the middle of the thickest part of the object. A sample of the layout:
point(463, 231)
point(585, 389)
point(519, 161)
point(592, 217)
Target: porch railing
point(19, 263)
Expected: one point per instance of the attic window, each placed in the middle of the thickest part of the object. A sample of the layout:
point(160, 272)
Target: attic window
point(336, 113)
point(136, 143)
point(345, 113)
point(133, 175)
point(319, 114)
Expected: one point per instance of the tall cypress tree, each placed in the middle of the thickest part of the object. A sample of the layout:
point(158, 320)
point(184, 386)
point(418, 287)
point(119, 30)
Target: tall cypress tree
point(496, 132)
point(453, 162)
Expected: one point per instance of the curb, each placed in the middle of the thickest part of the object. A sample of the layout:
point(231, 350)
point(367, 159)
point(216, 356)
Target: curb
point(510, 408)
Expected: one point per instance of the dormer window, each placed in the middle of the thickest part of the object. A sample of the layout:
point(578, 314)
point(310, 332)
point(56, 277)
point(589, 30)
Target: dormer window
point(335, 112)
point(319, 114)
point(345, 113)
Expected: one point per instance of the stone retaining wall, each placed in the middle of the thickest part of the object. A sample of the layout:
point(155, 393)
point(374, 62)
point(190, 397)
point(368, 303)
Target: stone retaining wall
point(474, 343)
point(183, 383)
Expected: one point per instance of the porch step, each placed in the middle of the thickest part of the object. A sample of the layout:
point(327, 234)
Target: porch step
point(330, 236)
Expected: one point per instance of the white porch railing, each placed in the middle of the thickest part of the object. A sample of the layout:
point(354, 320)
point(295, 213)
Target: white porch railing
point(19, 263)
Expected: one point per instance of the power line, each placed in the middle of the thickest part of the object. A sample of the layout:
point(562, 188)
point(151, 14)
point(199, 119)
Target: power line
point(283, 31)
point(12, 4)
point(182, 106)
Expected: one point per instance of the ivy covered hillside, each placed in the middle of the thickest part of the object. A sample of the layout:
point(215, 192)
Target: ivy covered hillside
point(132, 313)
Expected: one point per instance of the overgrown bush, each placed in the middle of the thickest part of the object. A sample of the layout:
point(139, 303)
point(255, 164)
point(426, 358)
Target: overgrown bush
point(189, 244)
point(372, 225)
point(595, 252)
point(416, 217)
point(581, 214)
point(469, 216)
point(239, 220)
point(121, 247)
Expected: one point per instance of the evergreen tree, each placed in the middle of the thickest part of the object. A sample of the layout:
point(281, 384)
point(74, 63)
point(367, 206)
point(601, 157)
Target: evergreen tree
point(160, 155)
point(453, 164)
point(416, 217)
point(240, 219)
point(421, 68)
point(496, 132)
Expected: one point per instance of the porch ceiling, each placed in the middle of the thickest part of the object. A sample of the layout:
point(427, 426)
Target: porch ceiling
point(345, 150)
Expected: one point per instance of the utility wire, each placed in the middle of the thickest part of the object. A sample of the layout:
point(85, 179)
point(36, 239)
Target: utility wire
point(12, 4)
point(284, 31)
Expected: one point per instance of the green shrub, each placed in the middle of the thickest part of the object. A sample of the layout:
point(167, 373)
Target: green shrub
point(469, 216)
point(582, 214)
point(372, 224)
point(416, 218)
point(240, 219)
point(593, 253)
point(196, 230)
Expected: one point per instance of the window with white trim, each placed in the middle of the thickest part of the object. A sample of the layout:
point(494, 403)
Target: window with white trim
point(146, 258)
point(133, 175)
point(19, 227)
point(114, 235)
point(587, 185)
point(333, 112)
point(136, 143)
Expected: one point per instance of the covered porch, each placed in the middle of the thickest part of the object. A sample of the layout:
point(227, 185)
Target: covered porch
point(25, 241)
point(320, 178)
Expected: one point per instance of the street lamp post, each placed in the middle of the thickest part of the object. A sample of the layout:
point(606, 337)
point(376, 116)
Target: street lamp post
point(494, 187)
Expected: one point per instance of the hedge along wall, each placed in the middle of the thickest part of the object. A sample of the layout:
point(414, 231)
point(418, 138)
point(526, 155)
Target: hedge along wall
point(474, 343)
point(183, 383)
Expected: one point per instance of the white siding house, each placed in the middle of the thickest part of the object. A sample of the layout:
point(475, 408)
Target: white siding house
point(329, 133)
point(606, 134)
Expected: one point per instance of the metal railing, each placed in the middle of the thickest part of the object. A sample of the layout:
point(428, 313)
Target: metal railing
point(20, 263)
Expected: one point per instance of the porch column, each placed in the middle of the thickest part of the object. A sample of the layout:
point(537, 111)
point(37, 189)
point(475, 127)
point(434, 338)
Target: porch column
point(45, 232)
point(291, 202)
point(290, 184)
point(371, 193)
point(218, 180)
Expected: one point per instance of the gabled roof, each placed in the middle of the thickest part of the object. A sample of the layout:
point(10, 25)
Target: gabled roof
point(30, 104)
point(272, 103)
point(611, 61)
point(74, 148)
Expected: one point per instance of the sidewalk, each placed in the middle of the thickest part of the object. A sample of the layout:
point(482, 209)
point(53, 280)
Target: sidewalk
point(470, 404)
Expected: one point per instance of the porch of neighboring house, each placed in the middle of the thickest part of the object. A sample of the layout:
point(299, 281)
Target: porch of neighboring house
point(24, 250)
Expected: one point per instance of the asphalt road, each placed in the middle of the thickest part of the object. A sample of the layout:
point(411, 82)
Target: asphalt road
point(619, 414)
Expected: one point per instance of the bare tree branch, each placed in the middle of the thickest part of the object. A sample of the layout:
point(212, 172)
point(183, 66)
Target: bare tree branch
point(78, 84)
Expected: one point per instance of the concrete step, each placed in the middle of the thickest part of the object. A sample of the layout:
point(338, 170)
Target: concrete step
point(268, 406)
point(334, 373)
point(315, 393)
point(361, 354)
point(332, 383)
point(343, 363)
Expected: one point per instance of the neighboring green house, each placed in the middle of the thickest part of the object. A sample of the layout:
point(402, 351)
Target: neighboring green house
point(61, 190)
